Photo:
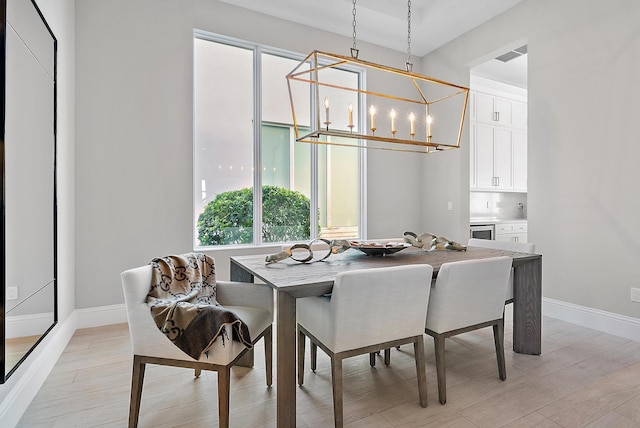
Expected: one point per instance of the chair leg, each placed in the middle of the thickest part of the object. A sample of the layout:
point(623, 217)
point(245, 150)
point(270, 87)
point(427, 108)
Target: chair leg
point(421, 373)
point(137, 379)
point(387, 357)
point(224, 379)
point(268, 355)
point(336, 377)
point(498, 338)
point(301, 350)
point(440, 368)
point(314, 356)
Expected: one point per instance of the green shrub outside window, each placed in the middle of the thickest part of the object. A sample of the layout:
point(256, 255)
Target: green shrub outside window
point(228, 219)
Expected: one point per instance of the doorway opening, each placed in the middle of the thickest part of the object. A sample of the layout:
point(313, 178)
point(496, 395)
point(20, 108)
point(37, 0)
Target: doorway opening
point(498, 146)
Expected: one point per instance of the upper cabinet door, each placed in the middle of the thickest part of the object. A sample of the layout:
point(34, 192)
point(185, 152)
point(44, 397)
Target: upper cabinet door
point(519, 115)
point(520, 160)
point(502, 165)
point(502, 108)
point(485, 112)
point(492, 109)
point(484, 156)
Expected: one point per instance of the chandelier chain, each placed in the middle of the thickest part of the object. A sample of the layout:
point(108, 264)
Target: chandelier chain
point(354, 24)
point(408, 32)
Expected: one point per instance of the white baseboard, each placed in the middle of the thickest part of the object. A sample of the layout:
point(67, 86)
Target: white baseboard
point(606, 322)
point(28, 325)
point(31, 325)
point(25, 382)
point(101, 315)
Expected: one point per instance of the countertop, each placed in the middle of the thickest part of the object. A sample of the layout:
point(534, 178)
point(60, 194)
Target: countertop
point(495, 220)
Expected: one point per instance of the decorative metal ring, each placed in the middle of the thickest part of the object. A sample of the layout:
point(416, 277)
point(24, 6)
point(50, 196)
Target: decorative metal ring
point(317, 241)
point(309, 254)
point(333, 247)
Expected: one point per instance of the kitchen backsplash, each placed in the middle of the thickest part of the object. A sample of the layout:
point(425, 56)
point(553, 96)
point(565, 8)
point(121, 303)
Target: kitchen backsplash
point(502, 205)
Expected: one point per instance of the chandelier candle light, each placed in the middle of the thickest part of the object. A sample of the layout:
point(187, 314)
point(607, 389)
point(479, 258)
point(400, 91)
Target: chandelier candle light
point(426, 114)
point(326, 108)
point(412, 120)
point(372, 111)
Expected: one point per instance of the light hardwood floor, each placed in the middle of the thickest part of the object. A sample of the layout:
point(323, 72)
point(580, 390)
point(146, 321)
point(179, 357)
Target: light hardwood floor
point(583, 379)
point(16, 348)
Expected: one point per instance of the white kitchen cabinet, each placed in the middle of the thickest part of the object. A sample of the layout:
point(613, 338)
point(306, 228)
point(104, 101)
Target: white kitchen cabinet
point(502, 163)
point(492, 109)
point(500, 111)
point(498, 143)
point(473, 175)
point(492, 167)
point(511, 232)
point(482, 147)
point(518, 115)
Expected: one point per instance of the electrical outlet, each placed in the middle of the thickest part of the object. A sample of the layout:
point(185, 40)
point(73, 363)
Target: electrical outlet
point(635, 294)
point(450, 206)
point(12, 293)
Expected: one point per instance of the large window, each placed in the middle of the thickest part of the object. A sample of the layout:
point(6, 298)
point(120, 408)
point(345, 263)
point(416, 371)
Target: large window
point(253, 183)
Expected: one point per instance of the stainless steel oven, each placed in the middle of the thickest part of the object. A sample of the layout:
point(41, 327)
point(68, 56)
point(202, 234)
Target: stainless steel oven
point(483, 231)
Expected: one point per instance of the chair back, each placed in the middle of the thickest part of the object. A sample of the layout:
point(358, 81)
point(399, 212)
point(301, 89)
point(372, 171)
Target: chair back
point(136, 284)
point(520, 247)
point(467, 293)
point(146, 338)
point(372, 306)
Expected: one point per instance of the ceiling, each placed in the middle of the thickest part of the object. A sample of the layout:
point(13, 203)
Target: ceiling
point(513, 72)
point(384, 23)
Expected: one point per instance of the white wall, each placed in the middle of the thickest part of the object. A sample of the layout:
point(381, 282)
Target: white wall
point(134, 134)
point(583, 145)
point(60, 14)
point(584, 149)
point(445, 175)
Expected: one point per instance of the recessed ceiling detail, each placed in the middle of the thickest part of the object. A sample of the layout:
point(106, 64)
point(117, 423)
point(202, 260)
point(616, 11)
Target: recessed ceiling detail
point(384, 22)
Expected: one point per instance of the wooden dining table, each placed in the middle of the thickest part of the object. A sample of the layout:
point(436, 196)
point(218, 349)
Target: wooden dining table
point(292, 280)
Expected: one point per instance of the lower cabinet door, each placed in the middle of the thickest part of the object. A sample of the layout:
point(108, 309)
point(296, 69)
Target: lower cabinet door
point(512, 237)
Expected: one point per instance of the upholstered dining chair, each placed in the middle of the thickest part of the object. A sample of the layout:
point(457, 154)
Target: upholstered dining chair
point(520, 247)
point(253, 303)
point(467, 295)
point(368, 310)
point(387, 352)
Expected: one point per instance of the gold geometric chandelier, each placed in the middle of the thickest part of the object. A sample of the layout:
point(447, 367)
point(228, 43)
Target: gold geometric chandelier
point(414, 113)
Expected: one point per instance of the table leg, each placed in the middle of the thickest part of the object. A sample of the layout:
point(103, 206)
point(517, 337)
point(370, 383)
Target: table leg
point(286, 360)
point(237, 273)
point(527, 308)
